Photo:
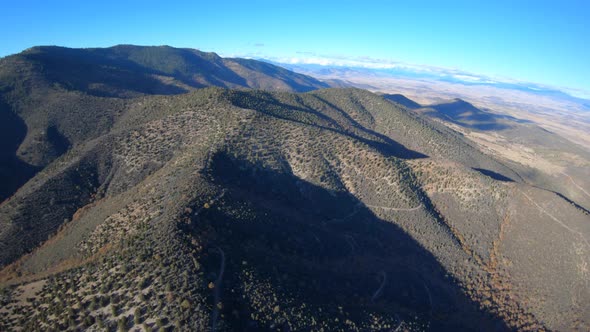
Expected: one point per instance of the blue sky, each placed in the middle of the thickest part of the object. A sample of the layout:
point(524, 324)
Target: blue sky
point(546, 42)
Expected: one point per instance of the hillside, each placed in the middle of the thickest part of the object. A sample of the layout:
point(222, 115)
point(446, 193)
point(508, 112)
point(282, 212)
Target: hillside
point(54, 98)
point(540, 157)
point(333, 209)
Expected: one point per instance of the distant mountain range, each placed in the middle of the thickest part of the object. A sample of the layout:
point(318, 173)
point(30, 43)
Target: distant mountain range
point(556, 110)
point(161, 188)
point(435, 74)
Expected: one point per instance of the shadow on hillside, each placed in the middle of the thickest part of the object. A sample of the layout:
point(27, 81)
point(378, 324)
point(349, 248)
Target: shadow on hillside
point(98, 75)
point(402, 100)
point(41, 212)
point(267, 104)
point(464, 114)
point(58, 141)
point(325, 249)
point(494, 175)
point(382, 142)
point(281, 73)
point(571, 202)
point(13, 171)
point(117, 71)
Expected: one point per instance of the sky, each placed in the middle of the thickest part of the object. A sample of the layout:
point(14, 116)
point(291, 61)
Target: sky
point(546, 42)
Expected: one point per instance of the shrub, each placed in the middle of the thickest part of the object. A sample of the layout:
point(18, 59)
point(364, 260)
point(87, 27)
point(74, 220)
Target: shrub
point(122, 324)
point(89, 321)
point(185, 304)
point(137, 316)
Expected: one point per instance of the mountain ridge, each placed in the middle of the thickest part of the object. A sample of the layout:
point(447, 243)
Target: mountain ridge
point(37, 84)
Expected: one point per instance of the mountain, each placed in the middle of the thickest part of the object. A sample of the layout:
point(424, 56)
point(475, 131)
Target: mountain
point(239, 209)
point(541, 157)
point(553, 110)
point(53, 98)
point(128, 70)
point(540, 133)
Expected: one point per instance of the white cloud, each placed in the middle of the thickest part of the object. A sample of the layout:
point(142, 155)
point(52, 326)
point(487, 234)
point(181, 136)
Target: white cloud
point(367, 62)
point(309, 58)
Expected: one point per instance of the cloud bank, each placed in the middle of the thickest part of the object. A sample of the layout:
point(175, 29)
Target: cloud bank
point(305, 58)
point(398, 68)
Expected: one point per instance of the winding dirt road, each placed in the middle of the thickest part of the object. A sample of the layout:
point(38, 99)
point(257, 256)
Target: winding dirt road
point(395, 209)
point(378, 291)
point(575, 184)
point(561, 223)
point(217, 291)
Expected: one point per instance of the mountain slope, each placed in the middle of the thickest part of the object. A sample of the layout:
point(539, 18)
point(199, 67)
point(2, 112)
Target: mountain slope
point(256, 210)
point(53, 98)
point(542, 158)
point(126, 70)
